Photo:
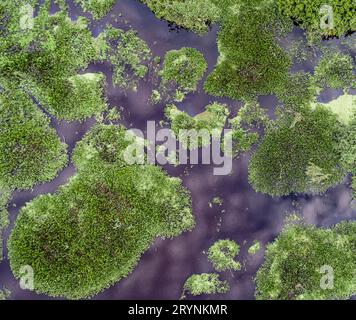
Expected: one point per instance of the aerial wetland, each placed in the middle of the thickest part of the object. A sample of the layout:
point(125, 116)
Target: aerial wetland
point(84, 211)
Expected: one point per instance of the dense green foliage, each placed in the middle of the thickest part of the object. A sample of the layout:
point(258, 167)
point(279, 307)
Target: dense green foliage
point(222, 255)
point(251, 63)
point(186, 67)
point(348, 146)
point(30, 151)
point(299, 154)
point(211, 122)
point(92, 232)
point(335, 70)
point(294, 261)
point(44, 57)
point(205, 283)
point(309, 14)
point(98, 8)
point(194, 15)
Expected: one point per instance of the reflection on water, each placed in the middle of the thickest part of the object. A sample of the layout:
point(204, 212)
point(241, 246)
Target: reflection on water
point(244, 215)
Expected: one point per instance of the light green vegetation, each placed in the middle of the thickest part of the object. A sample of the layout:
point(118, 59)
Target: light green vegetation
point(4, 293)
point(295, 261)
point(129, 54)
point(93, 231)
point(98, 8)
point(298, 91)
point(335, 70)
point(256, 247)
point(182, 71)
point(30, 150)
point(194, 15)
point(211, 121)
point(309, 14)
point(299, 154)
point(251, 62)
point(222, 255)
point(344, 107)
point(205, 283)
point(243, 135)
point(347, 145)
point(44, 58)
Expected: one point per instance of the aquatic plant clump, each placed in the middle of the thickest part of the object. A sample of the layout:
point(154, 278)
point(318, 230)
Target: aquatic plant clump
point(93, 231)
point(255, 248)
point(206, 283)
point(331, 18)
point(98, 8)
point(30, 150)
point(335, 70)
point(307, 263)
point(185, 67)
point(196, 15)
point(5, 196)
point(222, 255)
point(251, 63)
point(298, 155)
point(348, 145)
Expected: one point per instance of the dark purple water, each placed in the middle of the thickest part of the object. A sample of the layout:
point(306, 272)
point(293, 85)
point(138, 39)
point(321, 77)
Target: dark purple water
point(245, 216)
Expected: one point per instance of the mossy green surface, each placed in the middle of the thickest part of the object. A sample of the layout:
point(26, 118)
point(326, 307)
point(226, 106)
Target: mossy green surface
point(251, 62)
point(309, 14)
point(93, 231)
point(347, 145)
point(5, 196)
point(183, 68)
point(293, 264)
point(299, 154)
point(222, 255)
point(30, 150)
point(98, 8)
point(196, 15)
point(206, 283)
point(335, 70)
point(255, 248)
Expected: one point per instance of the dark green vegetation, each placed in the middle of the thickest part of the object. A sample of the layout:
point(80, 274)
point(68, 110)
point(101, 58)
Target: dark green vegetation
point(30, 150)
point(206, 283)
point(211, 122)
point(222, 255)
point(299, 154)
point(44, 56)
point(309, 14)
point(194, 15)
point(335, 70)
point(251, 63)
point(294, 263)
point(181, 73)
point(92, 232)
point(98, 8)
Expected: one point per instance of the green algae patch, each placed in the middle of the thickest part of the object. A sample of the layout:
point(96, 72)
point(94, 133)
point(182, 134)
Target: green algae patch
point(98, 8)
point(307, 263)
point(5, 196)
point(295, 151)
point(205, 283)
point(222, 255)
point(205, 125)
point(335, 70)
point(92, 232)
point(255, 248)
point(320, 18)
point(4, 293)
point(196, 15)
point(344, 107)
point(347, 145)
point(30, 150)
